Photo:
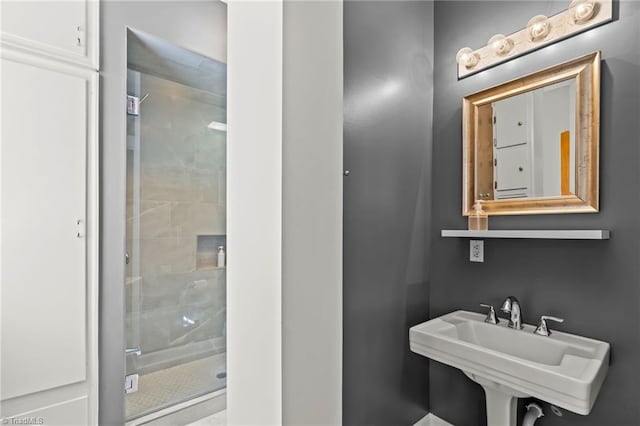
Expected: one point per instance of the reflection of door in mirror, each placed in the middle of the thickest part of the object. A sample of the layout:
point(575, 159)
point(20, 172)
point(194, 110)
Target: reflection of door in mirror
point(533, 149)
point(554, 108)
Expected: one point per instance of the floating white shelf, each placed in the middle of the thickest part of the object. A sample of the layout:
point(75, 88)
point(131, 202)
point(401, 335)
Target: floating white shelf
point(568, 234)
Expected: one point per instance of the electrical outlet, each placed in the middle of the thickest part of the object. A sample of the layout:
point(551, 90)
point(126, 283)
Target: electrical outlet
point(476, 251)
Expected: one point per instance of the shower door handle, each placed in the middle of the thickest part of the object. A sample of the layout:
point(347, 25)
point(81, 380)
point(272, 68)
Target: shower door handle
point(133, 351)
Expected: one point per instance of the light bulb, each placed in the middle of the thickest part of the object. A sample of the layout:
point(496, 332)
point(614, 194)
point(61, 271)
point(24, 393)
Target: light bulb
point(582, 10)
point(500, 44)
point(467, 57)
point(538, 27)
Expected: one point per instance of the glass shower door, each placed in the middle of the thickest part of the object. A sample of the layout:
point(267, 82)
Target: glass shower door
point(176, 229)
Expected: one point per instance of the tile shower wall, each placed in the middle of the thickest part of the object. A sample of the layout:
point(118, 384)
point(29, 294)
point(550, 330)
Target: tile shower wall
point(178, 187)
point(594, 285)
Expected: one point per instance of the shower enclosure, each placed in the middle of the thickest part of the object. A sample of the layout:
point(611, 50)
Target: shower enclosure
point(176, 225)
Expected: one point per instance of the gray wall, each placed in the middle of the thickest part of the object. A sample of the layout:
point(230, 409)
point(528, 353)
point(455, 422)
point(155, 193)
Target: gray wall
point(388, 56)
point(312, 213)
point(594, 285)
point(198, 26)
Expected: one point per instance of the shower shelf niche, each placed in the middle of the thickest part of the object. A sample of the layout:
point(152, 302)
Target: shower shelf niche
point(207, 251)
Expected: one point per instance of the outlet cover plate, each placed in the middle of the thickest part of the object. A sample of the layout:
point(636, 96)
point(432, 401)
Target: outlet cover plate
point(476, 250)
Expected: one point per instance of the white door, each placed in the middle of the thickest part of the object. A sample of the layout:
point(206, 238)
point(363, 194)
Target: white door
point(48, 235)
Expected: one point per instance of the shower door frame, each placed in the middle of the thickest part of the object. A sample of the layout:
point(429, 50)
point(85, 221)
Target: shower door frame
point(135, 136)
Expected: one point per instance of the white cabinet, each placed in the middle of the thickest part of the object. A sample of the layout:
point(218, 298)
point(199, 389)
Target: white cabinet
point(48, 217)
point(511, 121)
point(62, 30)
point(512, 171)
point(513, 136)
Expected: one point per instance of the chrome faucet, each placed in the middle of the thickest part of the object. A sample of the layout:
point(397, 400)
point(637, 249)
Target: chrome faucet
point(512, 306)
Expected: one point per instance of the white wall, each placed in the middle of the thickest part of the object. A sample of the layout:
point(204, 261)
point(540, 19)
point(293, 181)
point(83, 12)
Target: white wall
point(254, 155)
point(312, 214)
point(284, 213)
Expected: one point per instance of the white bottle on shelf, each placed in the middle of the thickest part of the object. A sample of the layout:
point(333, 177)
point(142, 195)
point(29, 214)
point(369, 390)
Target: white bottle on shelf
point(221, 257)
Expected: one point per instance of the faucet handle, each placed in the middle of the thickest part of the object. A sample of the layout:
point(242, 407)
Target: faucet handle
point(542, 328)
point(491, 315)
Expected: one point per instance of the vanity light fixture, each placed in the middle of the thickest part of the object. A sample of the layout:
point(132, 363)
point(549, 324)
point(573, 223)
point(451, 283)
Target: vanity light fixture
point(579, 16)
point(582, 10)
point(538, 27)
point(500, 44)
point(467, 57)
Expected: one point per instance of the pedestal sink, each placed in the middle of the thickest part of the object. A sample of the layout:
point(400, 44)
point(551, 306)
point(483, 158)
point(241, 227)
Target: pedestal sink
point(562, 369)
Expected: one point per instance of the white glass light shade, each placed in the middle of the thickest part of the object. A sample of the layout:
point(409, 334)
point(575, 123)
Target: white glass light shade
point(582, 10)
point(538, 27)
point(467, 57)
point(500, 44)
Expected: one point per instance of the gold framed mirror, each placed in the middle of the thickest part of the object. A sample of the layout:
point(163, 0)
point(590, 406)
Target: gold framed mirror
point(531, 145)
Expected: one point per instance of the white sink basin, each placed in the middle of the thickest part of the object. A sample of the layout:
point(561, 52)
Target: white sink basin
point(562, 369)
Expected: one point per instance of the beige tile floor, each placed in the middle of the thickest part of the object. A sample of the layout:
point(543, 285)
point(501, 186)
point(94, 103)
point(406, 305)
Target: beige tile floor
point(176, 384)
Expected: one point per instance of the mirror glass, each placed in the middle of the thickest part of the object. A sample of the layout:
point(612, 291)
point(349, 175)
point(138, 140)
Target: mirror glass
point(529, 148)
point(531, 145)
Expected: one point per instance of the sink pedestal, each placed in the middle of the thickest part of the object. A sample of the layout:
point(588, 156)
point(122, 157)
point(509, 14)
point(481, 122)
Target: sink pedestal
point(502, 409)
point(502, 401)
